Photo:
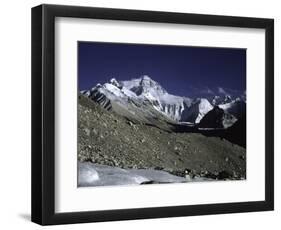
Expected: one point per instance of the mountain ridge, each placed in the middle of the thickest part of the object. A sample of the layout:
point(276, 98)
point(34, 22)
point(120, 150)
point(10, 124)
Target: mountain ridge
point(147, 100)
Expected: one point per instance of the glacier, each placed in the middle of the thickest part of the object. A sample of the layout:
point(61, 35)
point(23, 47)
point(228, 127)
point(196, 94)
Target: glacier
point(91, 174)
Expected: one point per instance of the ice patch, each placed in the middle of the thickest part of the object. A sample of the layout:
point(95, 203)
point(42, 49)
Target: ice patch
point(90, 174)
point(87, 176)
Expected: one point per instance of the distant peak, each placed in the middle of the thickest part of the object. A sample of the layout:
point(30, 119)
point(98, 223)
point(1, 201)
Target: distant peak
point(227, 99)
point(97, 86)
point(146, 81)
point(114, 82)
point(145, 77)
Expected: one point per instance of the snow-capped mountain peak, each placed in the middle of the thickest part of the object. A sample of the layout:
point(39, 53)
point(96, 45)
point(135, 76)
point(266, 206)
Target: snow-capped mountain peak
point(227, 99)
point(146, 78)
point(149, 90)
point(145, 86)
point(114, 82)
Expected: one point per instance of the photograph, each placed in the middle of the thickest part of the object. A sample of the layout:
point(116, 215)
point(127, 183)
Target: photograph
point(157, 114)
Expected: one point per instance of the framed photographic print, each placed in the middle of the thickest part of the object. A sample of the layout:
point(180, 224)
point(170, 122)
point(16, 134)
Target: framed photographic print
point(142, 114)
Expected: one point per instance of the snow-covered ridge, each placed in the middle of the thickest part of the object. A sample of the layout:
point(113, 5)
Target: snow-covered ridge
point(198, 109)
point(145, 93)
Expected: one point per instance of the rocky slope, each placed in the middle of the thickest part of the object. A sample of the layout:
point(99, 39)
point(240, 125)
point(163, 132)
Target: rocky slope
point(110, 138)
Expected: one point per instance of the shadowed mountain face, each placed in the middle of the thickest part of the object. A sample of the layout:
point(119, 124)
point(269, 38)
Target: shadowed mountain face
point(217, 118)
point(237, 132)
point(235, 107)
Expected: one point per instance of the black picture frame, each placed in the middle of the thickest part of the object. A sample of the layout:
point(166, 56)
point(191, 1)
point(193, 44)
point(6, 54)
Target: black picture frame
point(43, 114)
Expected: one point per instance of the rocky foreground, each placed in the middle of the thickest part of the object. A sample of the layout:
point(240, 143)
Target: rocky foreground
point(106, 138)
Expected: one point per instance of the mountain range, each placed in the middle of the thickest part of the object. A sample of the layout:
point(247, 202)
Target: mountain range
point(145, 100)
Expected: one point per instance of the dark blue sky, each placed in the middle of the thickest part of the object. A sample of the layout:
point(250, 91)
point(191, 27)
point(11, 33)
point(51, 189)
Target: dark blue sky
point(181, 70)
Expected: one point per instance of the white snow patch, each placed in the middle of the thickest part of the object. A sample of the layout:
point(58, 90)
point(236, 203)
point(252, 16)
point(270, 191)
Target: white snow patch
point(131, 83)
point(113, 89)
point(90, 174)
